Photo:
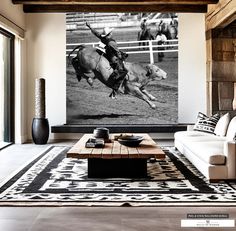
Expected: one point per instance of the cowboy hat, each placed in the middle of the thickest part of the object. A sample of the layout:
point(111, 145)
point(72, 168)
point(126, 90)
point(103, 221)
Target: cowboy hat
point(106, 31)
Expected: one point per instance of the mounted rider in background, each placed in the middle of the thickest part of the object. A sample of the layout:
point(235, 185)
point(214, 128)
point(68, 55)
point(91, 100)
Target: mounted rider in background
point(174, 23)
point(114, 56)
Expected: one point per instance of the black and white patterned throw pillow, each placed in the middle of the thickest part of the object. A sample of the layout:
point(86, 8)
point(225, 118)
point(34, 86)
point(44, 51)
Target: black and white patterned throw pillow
point(206, 123)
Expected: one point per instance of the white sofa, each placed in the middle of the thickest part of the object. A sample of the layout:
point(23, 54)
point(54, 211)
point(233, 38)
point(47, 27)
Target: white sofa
point(213, 155)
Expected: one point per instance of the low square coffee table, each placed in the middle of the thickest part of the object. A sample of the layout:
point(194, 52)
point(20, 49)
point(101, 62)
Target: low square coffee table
point(116, 160)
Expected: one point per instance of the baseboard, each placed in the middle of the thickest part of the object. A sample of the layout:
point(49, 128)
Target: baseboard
point(21, 139)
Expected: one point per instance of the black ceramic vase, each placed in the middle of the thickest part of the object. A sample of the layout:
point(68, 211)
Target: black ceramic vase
point(40, 130)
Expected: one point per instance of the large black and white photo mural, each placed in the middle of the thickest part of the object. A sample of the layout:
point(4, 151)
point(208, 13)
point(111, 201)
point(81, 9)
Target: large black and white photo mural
point(122, 68)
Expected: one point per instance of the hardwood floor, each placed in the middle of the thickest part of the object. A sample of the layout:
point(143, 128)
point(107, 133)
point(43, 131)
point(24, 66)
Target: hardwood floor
point(90, 218)
point(101, 219)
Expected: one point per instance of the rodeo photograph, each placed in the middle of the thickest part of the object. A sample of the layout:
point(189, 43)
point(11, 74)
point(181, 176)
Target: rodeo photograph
point(122, 68)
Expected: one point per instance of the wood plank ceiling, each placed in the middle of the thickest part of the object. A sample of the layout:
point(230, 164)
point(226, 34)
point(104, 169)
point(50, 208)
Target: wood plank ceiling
point(38, 6)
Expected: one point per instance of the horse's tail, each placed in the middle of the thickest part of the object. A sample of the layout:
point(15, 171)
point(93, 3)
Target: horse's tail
point(79, 47)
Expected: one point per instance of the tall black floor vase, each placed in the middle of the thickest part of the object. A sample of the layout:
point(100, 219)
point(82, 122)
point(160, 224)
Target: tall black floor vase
point(40, 130)
point(40, 125)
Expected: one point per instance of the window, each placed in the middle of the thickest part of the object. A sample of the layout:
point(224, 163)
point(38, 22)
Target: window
point(6, 87)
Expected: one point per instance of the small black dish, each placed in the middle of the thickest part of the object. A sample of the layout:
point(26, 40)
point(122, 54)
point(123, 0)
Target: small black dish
point(101, 133)
point(130, 141)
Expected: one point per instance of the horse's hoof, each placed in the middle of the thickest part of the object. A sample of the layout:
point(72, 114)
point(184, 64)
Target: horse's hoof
point(113, 97)
point(153, 106)
point(90, 81)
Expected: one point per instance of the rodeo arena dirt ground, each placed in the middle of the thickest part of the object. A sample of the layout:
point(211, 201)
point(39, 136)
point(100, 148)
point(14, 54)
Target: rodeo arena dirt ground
point(92, 105)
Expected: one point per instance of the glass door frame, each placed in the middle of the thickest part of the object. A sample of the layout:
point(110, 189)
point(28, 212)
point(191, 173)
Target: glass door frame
point(9, 102)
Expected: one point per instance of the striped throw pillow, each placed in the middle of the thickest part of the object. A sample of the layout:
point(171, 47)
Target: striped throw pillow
point(206, 123)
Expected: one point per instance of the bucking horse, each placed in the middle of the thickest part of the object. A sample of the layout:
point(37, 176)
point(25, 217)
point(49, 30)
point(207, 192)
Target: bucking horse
point(91, 63)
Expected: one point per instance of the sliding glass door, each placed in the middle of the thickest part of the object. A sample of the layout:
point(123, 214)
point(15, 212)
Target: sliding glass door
point(6, 86)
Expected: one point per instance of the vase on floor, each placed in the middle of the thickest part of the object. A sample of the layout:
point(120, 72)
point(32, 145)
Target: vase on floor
point(40, 125)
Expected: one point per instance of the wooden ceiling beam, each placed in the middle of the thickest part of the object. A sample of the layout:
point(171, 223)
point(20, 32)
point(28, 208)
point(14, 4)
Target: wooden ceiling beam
point(115, 8)
point(112, 2)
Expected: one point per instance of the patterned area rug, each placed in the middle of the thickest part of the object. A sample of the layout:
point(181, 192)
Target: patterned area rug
point(53, 180)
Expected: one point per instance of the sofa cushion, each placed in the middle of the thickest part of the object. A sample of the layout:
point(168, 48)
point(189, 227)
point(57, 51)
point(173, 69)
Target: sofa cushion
point(210, 152)
point(231, 129)
point(191, 134)
point(196, 136)
point(206, 123)
point(222, 125)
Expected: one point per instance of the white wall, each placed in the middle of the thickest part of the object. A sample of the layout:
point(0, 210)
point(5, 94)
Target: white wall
point(192, 66)
point(46, 49)
point(46, 44)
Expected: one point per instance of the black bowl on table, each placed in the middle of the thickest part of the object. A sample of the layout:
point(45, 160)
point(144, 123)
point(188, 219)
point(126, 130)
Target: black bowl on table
point(130, 141)
point(101, 133)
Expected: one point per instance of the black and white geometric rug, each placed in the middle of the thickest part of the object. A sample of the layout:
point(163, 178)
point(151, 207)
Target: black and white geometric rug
point(53, 180)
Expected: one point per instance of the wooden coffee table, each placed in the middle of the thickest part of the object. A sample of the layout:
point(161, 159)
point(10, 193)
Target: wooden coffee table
point(116, 160)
